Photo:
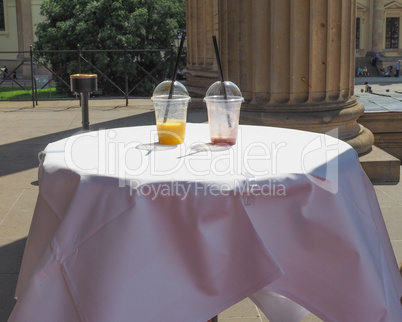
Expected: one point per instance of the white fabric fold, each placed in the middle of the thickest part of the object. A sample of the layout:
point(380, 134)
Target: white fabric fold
point(128, 229)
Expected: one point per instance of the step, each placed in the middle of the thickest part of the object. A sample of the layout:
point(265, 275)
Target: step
point(365, 61)
point(380, 166)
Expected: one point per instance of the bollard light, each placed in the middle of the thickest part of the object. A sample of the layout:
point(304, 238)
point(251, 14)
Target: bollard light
point(84, 84)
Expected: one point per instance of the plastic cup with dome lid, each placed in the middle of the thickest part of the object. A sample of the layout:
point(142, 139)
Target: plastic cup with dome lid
point(171, 112)
point(223, 101)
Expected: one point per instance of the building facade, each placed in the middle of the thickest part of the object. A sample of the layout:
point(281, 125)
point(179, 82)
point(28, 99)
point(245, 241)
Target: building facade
point(378, 28)
point(17, 29)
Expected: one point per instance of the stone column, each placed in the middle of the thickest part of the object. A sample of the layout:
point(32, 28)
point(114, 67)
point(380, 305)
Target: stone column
point(378, 23)
point(293, 61)
point(202, 23)
point(25, 33)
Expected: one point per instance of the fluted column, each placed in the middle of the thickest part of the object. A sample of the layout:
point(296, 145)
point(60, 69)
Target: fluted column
point(25, 32)
point(294, 62)
point(24, 24)
point(378, 22)
point(202, 24)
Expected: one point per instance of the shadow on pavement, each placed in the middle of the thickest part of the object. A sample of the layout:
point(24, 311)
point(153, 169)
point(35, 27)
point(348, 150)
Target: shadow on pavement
point(10, 259)
point(23, 155)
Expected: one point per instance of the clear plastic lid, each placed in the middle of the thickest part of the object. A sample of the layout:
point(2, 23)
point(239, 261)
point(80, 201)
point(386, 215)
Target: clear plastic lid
point(162, 91)
point(217, 91)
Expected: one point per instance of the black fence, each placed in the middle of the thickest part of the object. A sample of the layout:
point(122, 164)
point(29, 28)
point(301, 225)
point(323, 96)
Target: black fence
point(152, 71)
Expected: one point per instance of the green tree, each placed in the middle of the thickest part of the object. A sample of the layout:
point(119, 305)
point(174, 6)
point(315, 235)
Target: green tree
point(108, 25)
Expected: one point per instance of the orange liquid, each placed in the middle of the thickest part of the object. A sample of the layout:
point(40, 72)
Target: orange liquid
point(171, 132)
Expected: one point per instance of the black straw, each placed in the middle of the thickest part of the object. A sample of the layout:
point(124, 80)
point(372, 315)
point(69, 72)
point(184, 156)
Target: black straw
point(183, 38)
point(218, 61)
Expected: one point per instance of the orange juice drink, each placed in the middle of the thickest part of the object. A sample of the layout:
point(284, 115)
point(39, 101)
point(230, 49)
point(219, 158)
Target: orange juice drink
point(171, 102)
point(171, 132)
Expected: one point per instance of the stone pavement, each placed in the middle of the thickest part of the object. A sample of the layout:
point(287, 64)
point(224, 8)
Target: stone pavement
point(386, 96)
point(25, 131)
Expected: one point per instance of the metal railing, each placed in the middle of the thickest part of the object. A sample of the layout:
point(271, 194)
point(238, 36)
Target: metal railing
point(130, 57)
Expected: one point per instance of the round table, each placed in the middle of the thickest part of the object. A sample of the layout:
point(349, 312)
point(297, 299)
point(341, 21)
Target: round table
point(125, 227)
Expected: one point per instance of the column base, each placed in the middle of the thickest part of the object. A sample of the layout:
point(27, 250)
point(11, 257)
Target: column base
point(363, 142)
point(198, 81)
point(341, 123)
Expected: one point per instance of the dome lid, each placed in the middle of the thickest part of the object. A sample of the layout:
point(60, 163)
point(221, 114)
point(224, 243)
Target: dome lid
point(217, 91)
point(162, 91)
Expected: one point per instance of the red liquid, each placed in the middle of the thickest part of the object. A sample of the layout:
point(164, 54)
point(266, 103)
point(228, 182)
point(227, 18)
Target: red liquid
point(223, 141)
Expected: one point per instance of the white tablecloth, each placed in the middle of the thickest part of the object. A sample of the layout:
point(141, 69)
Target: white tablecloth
point(126, 229)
